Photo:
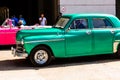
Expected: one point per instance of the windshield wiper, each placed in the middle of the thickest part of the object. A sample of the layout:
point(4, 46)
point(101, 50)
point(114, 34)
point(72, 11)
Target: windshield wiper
point(57, 27)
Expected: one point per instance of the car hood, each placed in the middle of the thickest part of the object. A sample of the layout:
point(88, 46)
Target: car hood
point(35, 32)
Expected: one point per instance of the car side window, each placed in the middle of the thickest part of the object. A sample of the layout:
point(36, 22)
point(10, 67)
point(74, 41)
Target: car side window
point(101, 23)
point(79, 24)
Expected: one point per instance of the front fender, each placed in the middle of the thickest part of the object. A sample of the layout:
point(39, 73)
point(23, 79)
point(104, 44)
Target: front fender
point(55, 42)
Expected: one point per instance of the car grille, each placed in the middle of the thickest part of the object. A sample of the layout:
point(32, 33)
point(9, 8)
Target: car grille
point(19, 47)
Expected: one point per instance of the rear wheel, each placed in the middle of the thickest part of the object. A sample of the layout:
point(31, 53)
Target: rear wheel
point(40, 56)
point(118, 51)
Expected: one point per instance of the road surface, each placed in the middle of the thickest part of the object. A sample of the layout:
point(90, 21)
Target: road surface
point(104, 67)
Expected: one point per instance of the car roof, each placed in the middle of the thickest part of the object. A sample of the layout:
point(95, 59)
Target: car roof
point(88, 15)
point(114, 19)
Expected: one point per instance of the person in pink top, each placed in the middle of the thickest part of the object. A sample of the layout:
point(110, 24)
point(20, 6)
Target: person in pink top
point(7, 23)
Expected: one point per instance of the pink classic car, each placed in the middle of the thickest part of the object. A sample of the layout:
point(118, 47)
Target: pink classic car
point(8, 34)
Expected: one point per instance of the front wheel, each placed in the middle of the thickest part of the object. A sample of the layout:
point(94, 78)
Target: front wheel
point(40, 56)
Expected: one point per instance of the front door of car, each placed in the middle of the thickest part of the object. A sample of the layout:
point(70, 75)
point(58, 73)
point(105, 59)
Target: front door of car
point(78, 38)
point(103, 35)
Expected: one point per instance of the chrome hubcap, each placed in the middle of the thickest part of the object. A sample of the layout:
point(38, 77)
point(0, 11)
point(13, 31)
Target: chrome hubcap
point(41, 57)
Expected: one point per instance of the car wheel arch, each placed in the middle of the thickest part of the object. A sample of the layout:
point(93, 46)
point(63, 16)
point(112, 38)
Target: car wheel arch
point(116, 48)
point(43, 45)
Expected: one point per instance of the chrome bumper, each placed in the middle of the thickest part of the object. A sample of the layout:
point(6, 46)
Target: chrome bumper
point(17, 53)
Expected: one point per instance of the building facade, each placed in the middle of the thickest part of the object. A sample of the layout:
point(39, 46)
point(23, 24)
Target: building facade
point(88, 6)
point(31, 9)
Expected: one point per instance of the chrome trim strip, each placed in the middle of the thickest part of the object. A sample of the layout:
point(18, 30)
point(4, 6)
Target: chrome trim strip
point(44, 41)
point(117, 40)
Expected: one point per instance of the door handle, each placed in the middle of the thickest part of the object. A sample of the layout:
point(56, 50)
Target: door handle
point(112, 31)
point(88, 32)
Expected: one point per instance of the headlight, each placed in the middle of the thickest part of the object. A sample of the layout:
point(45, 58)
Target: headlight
point(22, 42)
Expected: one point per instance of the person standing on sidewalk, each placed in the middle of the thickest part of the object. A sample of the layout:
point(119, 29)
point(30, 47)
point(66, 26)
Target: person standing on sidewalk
point(42, 20)
point(14, 20)
point(21, 21)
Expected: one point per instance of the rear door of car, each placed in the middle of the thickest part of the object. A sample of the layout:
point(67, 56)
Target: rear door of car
point(103, 33)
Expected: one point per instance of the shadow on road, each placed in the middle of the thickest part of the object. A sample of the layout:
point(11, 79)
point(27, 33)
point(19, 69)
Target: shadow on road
point(23, 64)
point(7, 47)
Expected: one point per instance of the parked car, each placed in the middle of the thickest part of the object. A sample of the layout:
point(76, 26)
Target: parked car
point(73, 35)
point(8, 34)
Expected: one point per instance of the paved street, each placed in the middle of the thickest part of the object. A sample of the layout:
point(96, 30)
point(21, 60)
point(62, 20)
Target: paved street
point(104, 67)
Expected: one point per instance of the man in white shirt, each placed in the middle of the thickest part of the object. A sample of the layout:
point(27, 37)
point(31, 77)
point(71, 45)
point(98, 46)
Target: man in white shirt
point(42, 20)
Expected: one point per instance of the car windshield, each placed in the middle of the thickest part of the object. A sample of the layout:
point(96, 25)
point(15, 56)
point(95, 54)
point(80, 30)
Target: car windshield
point(62, 22)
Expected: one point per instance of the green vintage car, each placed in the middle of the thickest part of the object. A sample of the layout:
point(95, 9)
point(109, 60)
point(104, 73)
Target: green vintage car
point(73, 35)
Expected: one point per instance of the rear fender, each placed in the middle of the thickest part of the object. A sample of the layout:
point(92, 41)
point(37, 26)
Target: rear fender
point(115, 46)
point(116, 42)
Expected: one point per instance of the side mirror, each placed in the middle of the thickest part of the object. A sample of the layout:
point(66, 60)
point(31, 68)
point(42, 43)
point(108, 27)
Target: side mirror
point(68, 29)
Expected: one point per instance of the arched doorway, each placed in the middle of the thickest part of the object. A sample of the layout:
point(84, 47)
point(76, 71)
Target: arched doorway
point(31, 9)
point(50, 8)
point(4, 13)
